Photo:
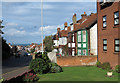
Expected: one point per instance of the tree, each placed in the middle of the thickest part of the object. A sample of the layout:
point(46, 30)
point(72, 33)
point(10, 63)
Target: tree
point(5, 49)
point(48, 42)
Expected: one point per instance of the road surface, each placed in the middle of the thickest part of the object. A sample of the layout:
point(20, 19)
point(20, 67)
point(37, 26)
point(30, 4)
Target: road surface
point(13, 63)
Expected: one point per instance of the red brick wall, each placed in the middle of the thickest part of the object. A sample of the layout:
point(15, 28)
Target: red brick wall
point(76, 60)
point(110, 33)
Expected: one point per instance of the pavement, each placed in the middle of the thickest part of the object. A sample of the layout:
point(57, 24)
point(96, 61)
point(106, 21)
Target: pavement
point(14, 67)
point(15, 73)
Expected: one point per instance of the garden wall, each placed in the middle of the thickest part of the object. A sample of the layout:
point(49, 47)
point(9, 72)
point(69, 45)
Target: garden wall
point(76, 60)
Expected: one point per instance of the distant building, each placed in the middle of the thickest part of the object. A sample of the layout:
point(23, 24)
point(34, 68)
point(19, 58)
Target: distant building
point(108, 31)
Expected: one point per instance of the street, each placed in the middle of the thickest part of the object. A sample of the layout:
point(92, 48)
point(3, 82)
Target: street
point(14, 63)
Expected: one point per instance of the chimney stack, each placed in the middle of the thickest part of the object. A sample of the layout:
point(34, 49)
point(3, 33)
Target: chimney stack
point(58, 29)
point(91, 13)
point(65, 26)
point(84, 15)
point(74, 19)
point(69, 28)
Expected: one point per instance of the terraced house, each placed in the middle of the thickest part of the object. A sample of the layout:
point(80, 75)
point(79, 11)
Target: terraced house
point(82, 40)
point(108, 31)
point(61, 37)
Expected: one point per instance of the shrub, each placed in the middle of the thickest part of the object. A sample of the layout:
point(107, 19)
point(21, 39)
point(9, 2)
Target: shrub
point(98, 64)
point(117, 68)
point(55, 69)
point(106, 66)
point(39, 66)
point(30, 77)
point(52, 64)
point(45, 57)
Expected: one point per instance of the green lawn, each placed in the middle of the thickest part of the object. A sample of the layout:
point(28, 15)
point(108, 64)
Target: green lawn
point(79, 74)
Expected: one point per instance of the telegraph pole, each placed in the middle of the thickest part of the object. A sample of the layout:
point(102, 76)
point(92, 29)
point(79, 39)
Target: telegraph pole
point(42, 23)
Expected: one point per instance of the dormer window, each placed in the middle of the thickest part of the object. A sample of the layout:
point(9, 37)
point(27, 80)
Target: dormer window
point(116, 18)
point(104, 22)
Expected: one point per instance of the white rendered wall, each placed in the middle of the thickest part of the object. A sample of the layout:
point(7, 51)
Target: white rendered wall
point(56, 42)
point(93, 40)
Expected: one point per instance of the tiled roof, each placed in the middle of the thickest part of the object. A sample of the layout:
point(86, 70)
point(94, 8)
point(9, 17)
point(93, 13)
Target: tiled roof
point(90, 20)
point(64, 33)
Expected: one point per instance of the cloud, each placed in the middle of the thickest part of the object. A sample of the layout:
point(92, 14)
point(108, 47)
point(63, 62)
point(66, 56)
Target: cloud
point(24, 16)
point(49, 0)
point(47, 30)
point(21, 28)
point(11, 24)
point(14, 32)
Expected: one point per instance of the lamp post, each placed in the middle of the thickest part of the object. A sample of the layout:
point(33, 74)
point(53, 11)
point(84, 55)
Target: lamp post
point(42, 23)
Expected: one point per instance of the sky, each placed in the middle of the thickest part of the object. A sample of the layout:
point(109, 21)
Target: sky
point(22, 20)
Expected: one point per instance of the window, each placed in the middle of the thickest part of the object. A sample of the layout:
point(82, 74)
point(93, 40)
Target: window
point(79, 52)
point(117, 41)
point(84, 52)
point(104, 22)
point(104, 44)
point(116, 18)
point(69, 45)
point(73, 52)
point(84, 36)
point(79, 36)
point(73, 38)
point(73, 45)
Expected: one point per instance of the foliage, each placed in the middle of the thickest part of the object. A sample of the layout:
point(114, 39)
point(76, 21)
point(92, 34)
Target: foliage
point(28, 51)
point(48, 42)
point(1, 80)
point(39, 66)
point(56, 69)
point(30, 77)
point(42, 64)
point(106, 66)
point(33, 50)
point(98, 64)
point(5, 50)
point(117, 68)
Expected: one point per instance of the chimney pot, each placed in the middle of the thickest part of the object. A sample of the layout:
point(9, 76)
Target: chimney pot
point(65, 24)
point(84, 13)
point(69, 28)
point(58, 29)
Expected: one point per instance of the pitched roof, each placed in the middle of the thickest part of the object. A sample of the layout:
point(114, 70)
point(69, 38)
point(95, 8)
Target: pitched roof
point(87, 23)
point(64, 33)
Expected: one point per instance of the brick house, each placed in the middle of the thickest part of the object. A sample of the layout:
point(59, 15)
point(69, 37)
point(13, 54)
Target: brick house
point(61, 37)
point(108, 29)
point(82, 40)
